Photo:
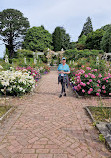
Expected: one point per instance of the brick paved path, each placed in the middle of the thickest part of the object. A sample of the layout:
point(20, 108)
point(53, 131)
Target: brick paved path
point(45, 126)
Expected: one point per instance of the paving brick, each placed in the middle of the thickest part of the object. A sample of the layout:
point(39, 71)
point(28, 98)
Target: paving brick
point(17, 155)
point(33, 140)
point(45, 151)
point(88, 156)
point(38, 146)
point(52, 146)
point(5, 153)
point(16, 149)
point(60, 156)
point(45, 156)
point(30, 156)
point(71, 156)
point(28, 151)
point(56, 151)
point(15, 143)
point(3, 145)
point(81, 154)
point(75, 145)
point(1, 156)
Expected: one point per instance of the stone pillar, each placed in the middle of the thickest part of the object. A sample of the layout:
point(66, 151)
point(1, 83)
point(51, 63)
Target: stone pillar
point(35, 61)
point(97, 60)
point(62, 49)
point(25, 60)
point(48, 58)
point(6, 59)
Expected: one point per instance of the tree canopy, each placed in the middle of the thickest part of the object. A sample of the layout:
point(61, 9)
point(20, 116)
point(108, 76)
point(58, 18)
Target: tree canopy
point(82, 40)
point(37, 39)
point(60, 39)
point(13, 26)
point(106, 27)
point(106, 41)
point(93, 39)
point(87, 28)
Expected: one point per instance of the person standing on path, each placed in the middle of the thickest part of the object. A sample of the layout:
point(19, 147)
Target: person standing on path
point(63, 71)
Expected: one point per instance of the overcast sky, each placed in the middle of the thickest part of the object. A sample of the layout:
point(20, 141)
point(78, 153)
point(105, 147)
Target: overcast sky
point(71, 14)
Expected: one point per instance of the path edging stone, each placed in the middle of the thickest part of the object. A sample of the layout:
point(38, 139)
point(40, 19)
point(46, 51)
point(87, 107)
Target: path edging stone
point(102, 127)
point(7, 114)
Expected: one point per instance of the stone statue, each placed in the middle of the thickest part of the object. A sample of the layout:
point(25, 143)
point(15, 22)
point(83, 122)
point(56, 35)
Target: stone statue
point(6, 58)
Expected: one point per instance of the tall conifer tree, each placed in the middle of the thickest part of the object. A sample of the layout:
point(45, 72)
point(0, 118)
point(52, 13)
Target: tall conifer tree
point(57, 39)
point(87, 28)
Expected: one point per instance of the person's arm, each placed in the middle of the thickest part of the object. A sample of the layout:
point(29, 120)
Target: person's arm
point(67, 72)
point(59, 72)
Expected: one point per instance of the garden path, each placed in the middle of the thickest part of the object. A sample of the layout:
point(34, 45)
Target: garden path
point(46, 126)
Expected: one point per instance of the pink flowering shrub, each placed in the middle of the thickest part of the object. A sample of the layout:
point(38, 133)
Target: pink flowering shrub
point(88, 81)
point(36, 75)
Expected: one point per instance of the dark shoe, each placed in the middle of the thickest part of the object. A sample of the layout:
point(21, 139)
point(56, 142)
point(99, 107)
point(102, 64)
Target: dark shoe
point(60, 95)
point(65, 94)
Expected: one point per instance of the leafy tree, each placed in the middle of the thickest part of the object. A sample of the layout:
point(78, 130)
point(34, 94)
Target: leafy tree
point(93, 39)
point(106, 41)
point(71, 54)
point(78, 54)
point(13, 26)
point(37, 39)
point(60, 39)
point(72, 45)
point(106, 27)
point(24, 53)
point(82, 40)
point(87, 28)
point(57, 39)
point(65, 39)
point(80, 46)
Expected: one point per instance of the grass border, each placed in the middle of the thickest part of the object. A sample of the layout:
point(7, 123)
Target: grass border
point(4, 116)
point(101, 126)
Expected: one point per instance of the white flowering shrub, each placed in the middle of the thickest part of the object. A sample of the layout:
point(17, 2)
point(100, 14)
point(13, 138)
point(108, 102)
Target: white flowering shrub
point(16, 82)
point(1, 67)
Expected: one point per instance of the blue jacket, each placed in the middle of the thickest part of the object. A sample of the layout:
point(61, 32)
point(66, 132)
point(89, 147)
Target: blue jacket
point(65, 68)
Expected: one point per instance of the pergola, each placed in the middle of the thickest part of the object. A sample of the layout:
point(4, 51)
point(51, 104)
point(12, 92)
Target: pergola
point(106, 55)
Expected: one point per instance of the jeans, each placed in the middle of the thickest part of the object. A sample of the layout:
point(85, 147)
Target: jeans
point(63, 85)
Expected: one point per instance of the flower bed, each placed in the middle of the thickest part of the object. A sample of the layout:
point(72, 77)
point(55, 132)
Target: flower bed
point(87, 81)
point(32, 72)
point(16, 82)
point(44, 69)
point(21, 80)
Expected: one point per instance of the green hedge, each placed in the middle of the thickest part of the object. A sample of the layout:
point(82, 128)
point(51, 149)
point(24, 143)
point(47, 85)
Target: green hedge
point(74, 54)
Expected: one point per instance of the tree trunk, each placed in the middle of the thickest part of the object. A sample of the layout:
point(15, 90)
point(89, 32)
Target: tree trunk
point(11, 51)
